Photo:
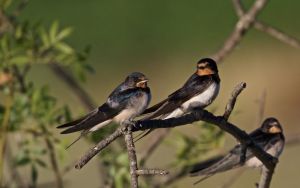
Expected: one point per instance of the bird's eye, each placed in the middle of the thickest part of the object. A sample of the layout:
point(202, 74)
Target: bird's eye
point(201, 67)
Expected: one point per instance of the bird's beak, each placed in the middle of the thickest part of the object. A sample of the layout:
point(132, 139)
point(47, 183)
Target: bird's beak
point(142, 84)
point(143, 81)
point(275, 130)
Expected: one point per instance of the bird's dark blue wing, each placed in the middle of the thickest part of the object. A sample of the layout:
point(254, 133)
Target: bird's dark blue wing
point(194, 86)
point(105, 112)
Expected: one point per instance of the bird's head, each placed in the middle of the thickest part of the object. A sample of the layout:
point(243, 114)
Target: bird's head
point(206, 66)
point(271, 126)
point(136, 79)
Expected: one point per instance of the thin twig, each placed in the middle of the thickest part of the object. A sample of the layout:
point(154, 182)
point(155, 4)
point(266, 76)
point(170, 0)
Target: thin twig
point(15, 175)
point(170, 179)
point(242, 26)
point(54, 163)
point(132, 157)
point(260, 115)
point(96, 149)
point(20, 77)
point(274, 32)
point(151, 172)
point(204, 115)
point(231, 103)
point(4, 131)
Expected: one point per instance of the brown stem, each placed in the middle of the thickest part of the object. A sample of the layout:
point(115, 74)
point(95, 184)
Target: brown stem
point(151, 172)
point(274, 32)
point(54, 163)
point(3, 132)
point(231, 103)
point(132, 158)
point(242, 26)
point(96, 149)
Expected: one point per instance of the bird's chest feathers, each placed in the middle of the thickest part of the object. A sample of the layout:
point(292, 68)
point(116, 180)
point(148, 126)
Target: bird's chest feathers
point(203, 99)
point(135, 107)
point(274, 151)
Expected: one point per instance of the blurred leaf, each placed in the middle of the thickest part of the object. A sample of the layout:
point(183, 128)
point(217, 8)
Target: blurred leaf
point(20, 60)
point(53, 32)
point(41, 163)
point(4, 4)
point(34, 174)
point(64, 33)
point(64, 48)
point(23, 161)
point(44, 37)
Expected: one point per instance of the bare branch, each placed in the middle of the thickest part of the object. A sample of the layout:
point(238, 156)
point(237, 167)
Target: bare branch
point(96, 149)
point(231, 103)
point(261, 110)
point(131, 157)
point(54, 163)
point(242, 26)
point(151, 172)
point(219, 121)
point(274, 32)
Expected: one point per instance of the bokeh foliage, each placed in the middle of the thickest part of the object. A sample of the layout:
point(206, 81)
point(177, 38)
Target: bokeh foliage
point(29, 113)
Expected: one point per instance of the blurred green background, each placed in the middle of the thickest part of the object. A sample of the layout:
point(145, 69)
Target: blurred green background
point(164, 40)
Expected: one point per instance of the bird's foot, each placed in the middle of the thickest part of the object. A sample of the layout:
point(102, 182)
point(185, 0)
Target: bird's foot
point(128, 124)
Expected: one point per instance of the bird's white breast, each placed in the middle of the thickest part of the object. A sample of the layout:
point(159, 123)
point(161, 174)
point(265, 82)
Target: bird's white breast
point(274, 151)
point(203, 99)
point(136, 106)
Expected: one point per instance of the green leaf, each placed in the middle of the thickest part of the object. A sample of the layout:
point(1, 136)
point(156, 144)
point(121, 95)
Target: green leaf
point(20, 60)
point(44, 37)
point(64, 48)
point(23, 161)
point(34, 174)
point(18, 32)
point(4, 4)
point(64, 33)
point(53, 32)
point(41, 163)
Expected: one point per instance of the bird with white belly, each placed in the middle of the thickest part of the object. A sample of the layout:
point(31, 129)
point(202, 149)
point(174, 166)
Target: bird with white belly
point(126, 102)
point(199, 91)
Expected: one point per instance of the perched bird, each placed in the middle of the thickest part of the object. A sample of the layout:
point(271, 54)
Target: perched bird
point(269, 137)
point(199, 91)
point(126, 102)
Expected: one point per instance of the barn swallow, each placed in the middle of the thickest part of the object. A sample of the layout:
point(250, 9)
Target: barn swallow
point(269, 137)
point(126, 102)
point(199, 91)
